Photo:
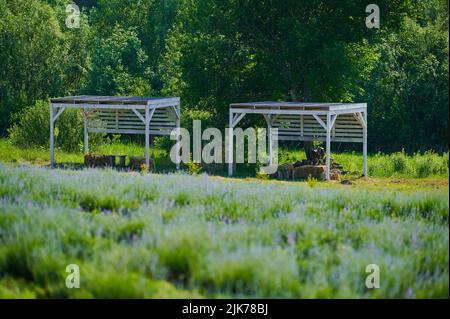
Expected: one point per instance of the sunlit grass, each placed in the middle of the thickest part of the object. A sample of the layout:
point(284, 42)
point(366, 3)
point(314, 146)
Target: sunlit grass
point(181, 236)
point(418, 165)
point(41, 156)
point(397, 165)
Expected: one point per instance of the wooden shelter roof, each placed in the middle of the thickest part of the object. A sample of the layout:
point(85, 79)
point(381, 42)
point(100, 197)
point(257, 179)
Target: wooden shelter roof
point(277, 105)
point(93, 99)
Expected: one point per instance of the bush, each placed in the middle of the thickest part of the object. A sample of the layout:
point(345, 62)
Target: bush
point(429, 164)
point(31, 128)
point(398, 161)
point(187, 116)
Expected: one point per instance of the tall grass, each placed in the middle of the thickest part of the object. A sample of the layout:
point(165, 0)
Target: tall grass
point(41, 156)
point(399, 164)
point(182, 236)
point(418, 165)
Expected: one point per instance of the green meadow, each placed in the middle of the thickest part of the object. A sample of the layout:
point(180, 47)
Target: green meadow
point(177, 235)
point(197, 233)
point(395, 165)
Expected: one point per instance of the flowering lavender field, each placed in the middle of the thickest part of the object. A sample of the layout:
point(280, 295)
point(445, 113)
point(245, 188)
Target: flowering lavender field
point(181, 236)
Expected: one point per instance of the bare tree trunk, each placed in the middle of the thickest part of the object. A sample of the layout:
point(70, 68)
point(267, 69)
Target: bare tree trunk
point(308, 146)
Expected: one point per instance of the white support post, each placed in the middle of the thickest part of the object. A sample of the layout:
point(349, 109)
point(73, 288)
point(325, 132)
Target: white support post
point(365, 145)
point(178, 135)
point(230, 145)
point(301, 125)
point(269, 133)
point(328, 147)
point(148, 117)
point(86, 133)
point(147, 136)
point(52, 138)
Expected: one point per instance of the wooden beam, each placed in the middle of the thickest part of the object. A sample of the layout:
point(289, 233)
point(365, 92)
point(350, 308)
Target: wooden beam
point(52, 138)
point(139, 115)
point(318, 119)
point(358, 116)
point(230, 145)
point(58, 114)
point(177, 158)
point(362, 120)
point(237, 118)
point(176, 111)
point(86, 135)
point(328, 147)
point(275, 111)
point(365, 145)
point(333, 120)
point(274, 118)
point(147, 137)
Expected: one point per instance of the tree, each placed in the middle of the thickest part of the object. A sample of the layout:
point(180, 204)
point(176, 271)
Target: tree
point(38, 57)
point(149, 19)
point(300, 50)
point(408, 88)
point(119, 65)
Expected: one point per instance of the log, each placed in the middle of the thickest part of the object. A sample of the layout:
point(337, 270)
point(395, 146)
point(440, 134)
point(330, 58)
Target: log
point(315, 171)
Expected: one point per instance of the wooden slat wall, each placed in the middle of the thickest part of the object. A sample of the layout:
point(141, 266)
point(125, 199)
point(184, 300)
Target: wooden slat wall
point(291, 128)
point(127, 122)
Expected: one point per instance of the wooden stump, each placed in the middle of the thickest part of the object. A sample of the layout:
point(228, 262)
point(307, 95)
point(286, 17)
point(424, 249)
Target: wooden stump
point(136, 163)
point(285, 171)
point(315, 171)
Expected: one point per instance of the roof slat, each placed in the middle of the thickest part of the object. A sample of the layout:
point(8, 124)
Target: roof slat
point(94, 99)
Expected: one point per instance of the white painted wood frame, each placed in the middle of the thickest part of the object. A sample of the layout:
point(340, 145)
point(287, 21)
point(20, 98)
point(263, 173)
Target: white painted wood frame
point(295, 121)
point(120, 115)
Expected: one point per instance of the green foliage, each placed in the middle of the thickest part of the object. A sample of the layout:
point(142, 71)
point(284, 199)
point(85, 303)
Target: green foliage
point(189, 115)
point(213, 53)
point(311, 181)
point(193, 167)
point(32, 128)
point(418, 165)
point(148, 237)
point(260, 175)
point(151, 20)
point(399, 164)
point(9, 153)
point(119, 65)
point(40, 57)
point(407, 91)
point(234, 50)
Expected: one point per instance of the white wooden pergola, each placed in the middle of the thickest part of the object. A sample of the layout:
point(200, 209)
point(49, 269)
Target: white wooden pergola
point(329, 122)
point(119, 115)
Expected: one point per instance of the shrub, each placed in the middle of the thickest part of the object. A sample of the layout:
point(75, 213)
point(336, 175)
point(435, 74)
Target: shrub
point(187, 116)
point(31, 128)
point(258, 271)
point(193, 167)
point(221, 238)
point(398, 161)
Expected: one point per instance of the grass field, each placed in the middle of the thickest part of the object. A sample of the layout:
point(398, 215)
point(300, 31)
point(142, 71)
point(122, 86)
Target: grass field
point(397, 165)
point(182, 236)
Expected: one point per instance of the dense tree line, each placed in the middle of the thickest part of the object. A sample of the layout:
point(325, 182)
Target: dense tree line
point(213, 52)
